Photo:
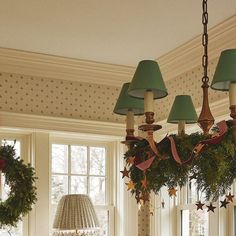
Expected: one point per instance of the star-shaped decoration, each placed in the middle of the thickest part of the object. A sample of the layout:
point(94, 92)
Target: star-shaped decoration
point(144, 182)
point(230, 197)
point(224, 203)
point(211, 208)
point(130, 185)
point(199, 205)
point(130, 160)
point(172, 192)
point(125, 173)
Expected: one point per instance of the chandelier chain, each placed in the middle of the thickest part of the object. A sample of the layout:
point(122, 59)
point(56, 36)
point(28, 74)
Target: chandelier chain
point(205, 78)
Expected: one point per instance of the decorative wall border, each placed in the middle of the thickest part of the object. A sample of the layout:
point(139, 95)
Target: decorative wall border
point(174, 63)
point(114, 130)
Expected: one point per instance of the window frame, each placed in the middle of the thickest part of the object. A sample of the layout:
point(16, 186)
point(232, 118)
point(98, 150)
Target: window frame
point(109, 178)
point(25, 156)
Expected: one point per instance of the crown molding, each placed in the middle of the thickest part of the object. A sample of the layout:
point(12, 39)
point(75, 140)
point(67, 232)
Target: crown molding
point(189, 55)
point(28, 122)
point(174, 63)
point(49, 66)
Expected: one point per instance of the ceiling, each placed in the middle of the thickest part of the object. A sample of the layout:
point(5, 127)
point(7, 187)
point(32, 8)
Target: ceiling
point(117, 32)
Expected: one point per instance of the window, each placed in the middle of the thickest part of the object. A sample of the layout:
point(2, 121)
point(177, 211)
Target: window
point(193, 222)
point(4, 190)
point(82, 169)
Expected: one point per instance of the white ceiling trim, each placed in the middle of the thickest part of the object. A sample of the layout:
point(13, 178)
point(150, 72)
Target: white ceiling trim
point(189, 55)
point(174, 63)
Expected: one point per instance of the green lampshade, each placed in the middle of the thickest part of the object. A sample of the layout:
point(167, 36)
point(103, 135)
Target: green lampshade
point(225, 71)
point(127, 103)
point(182, 110)
point(147, 77)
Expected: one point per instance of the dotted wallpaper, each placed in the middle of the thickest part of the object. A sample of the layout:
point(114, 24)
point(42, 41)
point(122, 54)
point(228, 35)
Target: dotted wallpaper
point(53, 97)
point(70, 99)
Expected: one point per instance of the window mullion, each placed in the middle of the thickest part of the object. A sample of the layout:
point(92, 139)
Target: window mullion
point(88, 169)
point(69, 169)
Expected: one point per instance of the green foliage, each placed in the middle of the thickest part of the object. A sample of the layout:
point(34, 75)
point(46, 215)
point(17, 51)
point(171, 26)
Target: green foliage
point(214, 167)
point(21, 179)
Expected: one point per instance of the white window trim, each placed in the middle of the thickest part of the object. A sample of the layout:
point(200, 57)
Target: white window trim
point(110, 178)
point(25, 156)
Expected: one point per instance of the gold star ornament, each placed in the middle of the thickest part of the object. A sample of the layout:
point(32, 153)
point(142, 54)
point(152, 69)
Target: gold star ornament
point(172, 192)
point(130, 185)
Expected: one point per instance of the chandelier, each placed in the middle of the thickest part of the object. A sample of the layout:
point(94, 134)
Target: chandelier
point(208, 157)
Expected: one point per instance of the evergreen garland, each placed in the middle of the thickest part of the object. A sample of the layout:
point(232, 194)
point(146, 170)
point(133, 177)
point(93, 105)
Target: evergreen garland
point(214, 167)
point(21, 179)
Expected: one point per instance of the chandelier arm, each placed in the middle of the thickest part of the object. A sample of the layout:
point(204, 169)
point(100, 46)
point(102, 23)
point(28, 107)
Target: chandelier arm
point(206, 119)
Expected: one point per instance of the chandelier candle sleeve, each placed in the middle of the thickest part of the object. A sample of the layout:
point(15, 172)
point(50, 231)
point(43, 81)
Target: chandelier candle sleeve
point(232, 93)
point(148, 101)
point(130, 120)
point(181, 127)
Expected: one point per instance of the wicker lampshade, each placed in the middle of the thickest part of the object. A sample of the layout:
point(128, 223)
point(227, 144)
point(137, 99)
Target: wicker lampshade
point(75, 212)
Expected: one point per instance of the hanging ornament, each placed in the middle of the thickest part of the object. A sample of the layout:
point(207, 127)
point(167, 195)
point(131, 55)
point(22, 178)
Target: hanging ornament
point(224, 203)
point(125, 173)
point(144, 182)
point(230, 197)
point(172, 192)
point(211, 208)
point(130, 185)
point(130, 160)
point(199, 205)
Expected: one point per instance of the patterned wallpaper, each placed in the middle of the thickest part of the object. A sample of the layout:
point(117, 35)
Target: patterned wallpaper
point(79, 100)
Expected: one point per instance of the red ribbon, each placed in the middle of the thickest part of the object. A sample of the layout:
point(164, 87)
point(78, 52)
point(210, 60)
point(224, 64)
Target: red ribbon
point(214, 140)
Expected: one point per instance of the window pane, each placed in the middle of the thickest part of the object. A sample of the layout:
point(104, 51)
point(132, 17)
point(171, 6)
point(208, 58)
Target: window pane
point(193, 194)
point(97, 190)
point(78, 160)
point(79, 184)
point(103, 217)
point(59, 158)
point(13, 231)
point(59, 187)
point(194, 222)
point(97, 161)
point(5, 189)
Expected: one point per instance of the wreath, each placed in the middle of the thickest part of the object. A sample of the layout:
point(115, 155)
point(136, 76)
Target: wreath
point(213, 167)
point(20, 178)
